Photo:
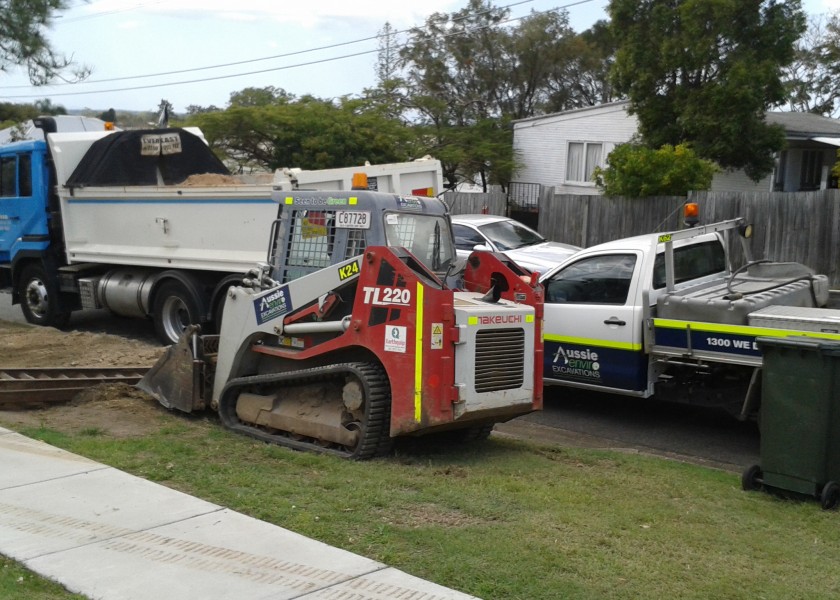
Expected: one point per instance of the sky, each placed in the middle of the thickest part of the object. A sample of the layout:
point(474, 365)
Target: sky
point(197, 52)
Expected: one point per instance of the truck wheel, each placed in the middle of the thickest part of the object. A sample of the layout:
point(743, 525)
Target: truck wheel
point(39, 298)
point(174, 308)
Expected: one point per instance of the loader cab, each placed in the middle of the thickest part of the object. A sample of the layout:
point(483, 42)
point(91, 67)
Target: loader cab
point(316, 229)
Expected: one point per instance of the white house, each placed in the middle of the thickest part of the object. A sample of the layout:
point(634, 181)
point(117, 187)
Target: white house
point(562, 150)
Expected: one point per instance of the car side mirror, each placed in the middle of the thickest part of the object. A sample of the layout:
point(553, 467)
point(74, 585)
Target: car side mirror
point(481, 248)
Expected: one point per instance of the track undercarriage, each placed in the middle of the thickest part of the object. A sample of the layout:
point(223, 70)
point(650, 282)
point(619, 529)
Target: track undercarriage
point(342, 409)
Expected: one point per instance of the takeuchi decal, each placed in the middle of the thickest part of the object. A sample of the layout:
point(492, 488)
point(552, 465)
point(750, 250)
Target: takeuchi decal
point(500, 320)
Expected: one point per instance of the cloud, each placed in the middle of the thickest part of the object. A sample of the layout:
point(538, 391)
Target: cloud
point(311, 14)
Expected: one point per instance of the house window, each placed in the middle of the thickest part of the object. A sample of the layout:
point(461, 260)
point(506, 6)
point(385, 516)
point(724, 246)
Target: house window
point(811, 174)
point(582, 160)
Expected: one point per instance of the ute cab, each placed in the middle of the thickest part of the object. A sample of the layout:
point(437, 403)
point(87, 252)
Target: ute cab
point(596, 304)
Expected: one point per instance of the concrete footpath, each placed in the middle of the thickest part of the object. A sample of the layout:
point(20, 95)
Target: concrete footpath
point(109, 535)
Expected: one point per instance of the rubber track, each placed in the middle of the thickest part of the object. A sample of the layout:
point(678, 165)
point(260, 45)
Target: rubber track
point(22, 387)
point(376, 439)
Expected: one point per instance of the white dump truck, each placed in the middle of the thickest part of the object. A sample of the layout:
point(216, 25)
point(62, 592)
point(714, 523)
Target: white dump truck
point(146, 223)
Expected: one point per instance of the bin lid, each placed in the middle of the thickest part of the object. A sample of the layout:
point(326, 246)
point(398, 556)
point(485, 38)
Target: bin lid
point(800, 342)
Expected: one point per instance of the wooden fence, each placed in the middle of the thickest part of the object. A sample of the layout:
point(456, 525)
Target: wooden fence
point(463, 203)
point(799, 227)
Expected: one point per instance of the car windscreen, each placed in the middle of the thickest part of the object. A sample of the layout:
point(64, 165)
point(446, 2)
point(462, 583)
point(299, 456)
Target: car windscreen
point(510, 235)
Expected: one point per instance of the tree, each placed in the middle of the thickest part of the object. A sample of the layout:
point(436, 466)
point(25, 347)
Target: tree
point(638, 171)
point(15, 114)
point(44, 106)
point(265, 96)
point(706, 72)
point(23, 41)
point(388, 95)
point(309, 133)
point(811, 78)
point(466, 74)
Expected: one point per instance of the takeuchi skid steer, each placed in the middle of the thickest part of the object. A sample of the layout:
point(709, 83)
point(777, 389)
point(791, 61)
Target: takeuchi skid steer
point(351, 338)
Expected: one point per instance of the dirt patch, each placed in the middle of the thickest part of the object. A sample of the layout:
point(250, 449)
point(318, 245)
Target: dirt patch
point(426, 515)
point(23, 346)
point(117, 410)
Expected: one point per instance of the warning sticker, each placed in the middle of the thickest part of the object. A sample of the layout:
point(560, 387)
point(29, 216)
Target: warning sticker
point(437, 336)
point(157, 144)
point(395, 339)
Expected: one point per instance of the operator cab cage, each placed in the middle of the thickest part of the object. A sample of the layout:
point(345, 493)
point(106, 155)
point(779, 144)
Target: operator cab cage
point(316, 229)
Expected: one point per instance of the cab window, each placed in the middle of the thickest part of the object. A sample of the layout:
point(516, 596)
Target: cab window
point(603, 279)
point(8, 176)
point(691, 262)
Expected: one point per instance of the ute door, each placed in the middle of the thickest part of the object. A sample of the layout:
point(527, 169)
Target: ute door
point(593, 325)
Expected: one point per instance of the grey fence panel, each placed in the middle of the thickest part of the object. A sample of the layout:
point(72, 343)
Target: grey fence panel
point(464, 203)
point(589, 220)
point(800, 227)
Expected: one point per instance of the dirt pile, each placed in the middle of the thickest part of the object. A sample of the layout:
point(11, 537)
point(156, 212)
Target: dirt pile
point(24, 346)
point(116, 410)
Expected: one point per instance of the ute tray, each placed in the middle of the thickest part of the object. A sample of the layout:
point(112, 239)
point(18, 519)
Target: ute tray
point(762, 285)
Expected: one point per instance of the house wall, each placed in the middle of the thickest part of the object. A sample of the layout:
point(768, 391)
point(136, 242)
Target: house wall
point(541, 147)
point(541, 144)
point(737, 181)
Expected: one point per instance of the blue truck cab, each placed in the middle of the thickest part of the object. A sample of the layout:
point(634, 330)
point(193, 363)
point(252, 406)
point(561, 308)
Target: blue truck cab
point(24, 189)
point(29, 229)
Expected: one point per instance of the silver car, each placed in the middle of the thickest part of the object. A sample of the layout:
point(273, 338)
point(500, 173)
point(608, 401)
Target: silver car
point(520, 243)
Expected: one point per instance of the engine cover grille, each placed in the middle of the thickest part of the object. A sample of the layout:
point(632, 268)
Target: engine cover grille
point(499, 359)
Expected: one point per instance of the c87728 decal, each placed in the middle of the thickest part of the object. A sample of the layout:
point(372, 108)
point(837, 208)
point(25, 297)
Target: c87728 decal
point(346, 219)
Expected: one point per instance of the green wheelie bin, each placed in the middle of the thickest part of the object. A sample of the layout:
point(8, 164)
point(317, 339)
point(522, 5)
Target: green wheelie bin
point(799, 419)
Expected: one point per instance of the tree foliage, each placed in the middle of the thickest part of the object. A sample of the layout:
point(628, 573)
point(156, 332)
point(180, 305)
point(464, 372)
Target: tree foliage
point(23, 41)
point(813, 78)
point(638, 171)
point(705, 72)
point(463, 76)
point(309, 133)
point(15, 114)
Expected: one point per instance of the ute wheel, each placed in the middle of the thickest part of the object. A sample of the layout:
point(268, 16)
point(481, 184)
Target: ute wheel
point(751, 479)
point(174, 308)
point(39, 298)
point(830, 496)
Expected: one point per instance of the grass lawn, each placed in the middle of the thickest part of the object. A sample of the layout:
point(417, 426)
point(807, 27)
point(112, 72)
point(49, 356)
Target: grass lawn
point(500, 520)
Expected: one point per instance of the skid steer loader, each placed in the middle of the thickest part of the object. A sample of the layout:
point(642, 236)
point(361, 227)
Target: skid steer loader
point(348, 337)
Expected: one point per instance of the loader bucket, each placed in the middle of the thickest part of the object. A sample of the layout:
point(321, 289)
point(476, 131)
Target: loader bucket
point(177, 379)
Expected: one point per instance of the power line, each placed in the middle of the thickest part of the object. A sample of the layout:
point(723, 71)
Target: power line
point(248, 61)
point(258, 72)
